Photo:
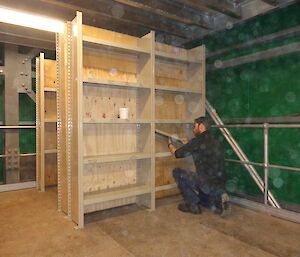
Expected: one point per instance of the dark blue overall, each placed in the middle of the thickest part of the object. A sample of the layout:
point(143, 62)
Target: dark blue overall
point(208, 182)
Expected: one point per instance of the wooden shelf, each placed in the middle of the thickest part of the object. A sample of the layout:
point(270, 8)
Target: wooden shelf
point(109, 83)
point(113, 194)
point(174, 57)
point(177, 89)
point(46, 118)
point(167, 121)
point(50, 151)
point(163, 154)
point(50, 89)
point(50, 120)
point(110, 69)
point(165, 187)
point(116, 121)
point(115, 157)
point(113, 46)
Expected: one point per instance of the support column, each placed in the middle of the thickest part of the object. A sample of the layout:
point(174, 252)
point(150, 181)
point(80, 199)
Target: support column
point(11, 114)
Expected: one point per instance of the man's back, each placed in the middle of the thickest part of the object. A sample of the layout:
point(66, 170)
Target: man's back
point(208, 155)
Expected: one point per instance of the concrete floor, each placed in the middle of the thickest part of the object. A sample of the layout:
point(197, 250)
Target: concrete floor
point(31, 226)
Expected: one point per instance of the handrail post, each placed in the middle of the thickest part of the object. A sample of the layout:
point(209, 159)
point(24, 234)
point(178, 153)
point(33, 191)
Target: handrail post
point(266, 162)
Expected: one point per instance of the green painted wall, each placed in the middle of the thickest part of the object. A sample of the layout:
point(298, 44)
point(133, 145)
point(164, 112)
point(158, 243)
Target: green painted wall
point(26, 113)
point(266, 88)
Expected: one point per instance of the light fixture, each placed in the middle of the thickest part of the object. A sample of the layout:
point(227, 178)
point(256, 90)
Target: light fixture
point(30, 21)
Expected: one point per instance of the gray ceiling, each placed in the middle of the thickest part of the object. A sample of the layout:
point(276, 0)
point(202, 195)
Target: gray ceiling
point(175, 22)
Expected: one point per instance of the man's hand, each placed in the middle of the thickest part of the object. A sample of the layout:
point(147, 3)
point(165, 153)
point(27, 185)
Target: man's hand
point(172, 148)
point(184, 140)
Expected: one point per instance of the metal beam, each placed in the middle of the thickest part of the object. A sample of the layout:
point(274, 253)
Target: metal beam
point(11, 113)
point(280, 213)
point(277, 2)
point(263, 165)
point(271, 2)
point(18, 35)
point(168, 11)
point(250, 9)
point(95, 18)
point(277, 51)
point(26, 41)
point(127, 15)
point(284, 119)
point(285, 34)
point(61, 12)
point(229, 8)
point(196, 5)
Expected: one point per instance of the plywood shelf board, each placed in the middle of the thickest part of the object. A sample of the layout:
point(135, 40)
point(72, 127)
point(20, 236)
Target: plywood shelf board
point(50, 89)
point(165, 187)
point(178, 58)
point(116, 121)
point(50, 151)
point(118, 193)
point(113, 46)
point(174, 53)
point(163, 154)
point(115, 157)
point(175, 121)
point(50, 120)
point(112, 83)
point(177, 89)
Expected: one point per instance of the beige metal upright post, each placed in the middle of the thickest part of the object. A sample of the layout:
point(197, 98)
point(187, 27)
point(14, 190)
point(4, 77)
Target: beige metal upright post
point(41, 125)
point(62, 120)
point(38, 126)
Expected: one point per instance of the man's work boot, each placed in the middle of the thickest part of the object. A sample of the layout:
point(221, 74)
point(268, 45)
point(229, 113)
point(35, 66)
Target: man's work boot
point(223, 205)
point(191, 208)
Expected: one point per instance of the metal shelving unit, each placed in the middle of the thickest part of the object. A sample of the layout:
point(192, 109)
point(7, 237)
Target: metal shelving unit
point(104, 160)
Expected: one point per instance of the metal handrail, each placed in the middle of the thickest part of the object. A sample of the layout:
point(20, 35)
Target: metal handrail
point(260, 183)
point(257, 125)
point(246, 162)
point(263, 165)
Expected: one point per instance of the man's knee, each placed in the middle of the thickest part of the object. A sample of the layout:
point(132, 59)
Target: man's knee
point(177, 173)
